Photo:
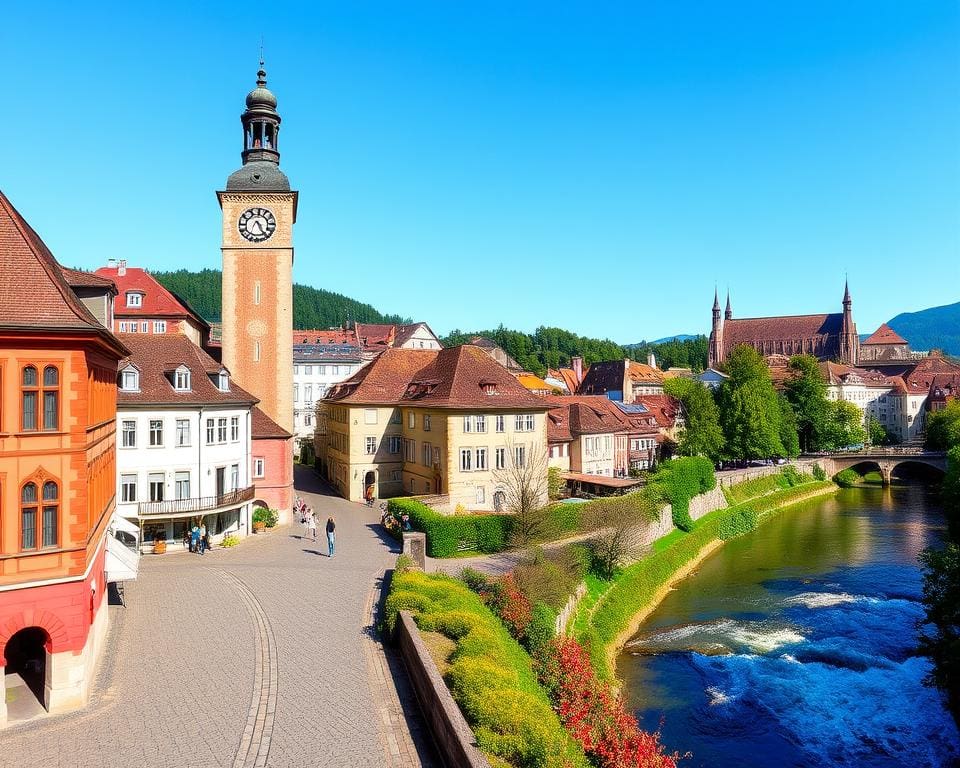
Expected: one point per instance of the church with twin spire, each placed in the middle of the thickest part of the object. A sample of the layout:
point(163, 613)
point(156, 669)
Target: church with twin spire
point(827, 336)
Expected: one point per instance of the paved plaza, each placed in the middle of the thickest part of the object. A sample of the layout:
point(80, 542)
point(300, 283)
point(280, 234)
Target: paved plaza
point(262, 655)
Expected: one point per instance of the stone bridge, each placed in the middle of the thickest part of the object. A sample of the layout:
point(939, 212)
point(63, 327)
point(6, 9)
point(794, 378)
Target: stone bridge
point(883, 460)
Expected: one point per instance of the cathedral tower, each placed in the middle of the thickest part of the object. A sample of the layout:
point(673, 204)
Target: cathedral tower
point(716, 332)
point(259, 210)
point(849, 340)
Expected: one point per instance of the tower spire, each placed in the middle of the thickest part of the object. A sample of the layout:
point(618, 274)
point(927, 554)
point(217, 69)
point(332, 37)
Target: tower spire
point(261, 122)
point(728, 314)
point(716, 300)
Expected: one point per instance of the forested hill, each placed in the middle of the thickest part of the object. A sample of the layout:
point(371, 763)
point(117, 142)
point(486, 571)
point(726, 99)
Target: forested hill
point(312, 307)
point(553, 347)
point(934, 328)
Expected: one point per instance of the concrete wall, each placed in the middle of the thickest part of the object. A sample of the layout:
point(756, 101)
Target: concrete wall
point(451, 734)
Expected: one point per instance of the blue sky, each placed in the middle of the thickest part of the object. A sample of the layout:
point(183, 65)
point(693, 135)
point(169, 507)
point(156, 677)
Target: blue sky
point(598, 167)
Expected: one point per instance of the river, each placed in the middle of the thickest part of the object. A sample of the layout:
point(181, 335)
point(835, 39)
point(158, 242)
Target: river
point(794, 645)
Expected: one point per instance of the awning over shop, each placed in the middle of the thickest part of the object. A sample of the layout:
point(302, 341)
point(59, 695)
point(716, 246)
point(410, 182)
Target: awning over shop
point(605, 481)
point(123, 559)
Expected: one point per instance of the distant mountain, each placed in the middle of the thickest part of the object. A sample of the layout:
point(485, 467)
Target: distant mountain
point(934, 328)
point(664, 340)
point(312, 307)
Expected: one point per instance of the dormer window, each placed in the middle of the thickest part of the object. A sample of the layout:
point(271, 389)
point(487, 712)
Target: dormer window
point(134, 299)
point(181, 379)
point(223, 383)
point(488, 387)
point(130, 380)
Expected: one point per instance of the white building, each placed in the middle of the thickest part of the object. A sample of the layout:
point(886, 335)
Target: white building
point(316, 368)
point(184, 441)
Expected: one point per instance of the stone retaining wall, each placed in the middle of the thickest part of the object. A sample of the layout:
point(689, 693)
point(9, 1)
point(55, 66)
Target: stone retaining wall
point(452, 735)
point(563, 618)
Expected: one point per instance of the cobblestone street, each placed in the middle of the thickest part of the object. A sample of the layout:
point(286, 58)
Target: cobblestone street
point(263, 655)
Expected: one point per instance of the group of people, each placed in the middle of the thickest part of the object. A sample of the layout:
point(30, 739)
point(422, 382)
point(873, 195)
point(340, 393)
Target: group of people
point(308, 519)
point(197, 538)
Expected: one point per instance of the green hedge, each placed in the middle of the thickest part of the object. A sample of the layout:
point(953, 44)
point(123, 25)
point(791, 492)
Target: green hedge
point(490, 675)
point(677, 481)
point(446, 534)
point(635, 586)
point(788, 477)
point(846, 478)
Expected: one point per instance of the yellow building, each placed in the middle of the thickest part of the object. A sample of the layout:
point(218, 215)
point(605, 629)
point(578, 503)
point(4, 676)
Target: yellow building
point(451, 424)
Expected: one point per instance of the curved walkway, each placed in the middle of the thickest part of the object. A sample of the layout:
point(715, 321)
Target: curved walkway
point(261, 655)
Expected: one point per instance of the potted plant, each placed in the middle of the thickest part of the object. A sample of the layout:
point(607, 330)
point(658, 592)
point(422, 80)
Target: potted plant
point(259, 519)
point(159, 546)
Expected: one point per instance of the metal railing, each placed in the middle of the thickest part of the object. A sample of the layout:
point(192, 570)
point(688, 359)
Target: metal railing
point(200, 504)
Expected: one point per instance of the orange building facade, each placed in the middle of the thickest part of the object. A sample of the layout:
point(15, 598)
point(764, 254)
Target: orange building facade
point(57, 477)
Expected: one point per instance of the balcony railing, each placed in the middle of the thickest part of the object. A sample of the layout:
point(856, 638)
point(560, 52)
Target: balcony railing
point(201, 504)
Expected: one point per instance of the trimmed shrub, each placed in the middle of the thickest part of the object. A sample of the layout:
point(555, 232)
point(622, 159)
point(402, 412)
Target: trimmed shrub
point(268, 517)
point(476, 580)
point(788, 477)
point(846, 478)
point(490, 676)
point(677, 481)
point(446, 534)
point(819, 473)
point(542, 628)
point(742, 520)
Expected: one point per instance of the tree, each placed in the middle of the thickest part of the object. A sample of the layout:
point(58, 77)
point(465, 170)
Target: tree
point(941, 601)
point(524, 485)
point(844, 426)
point(943, 427)
point(788, 429)
point(702, 435)
point(879, 434)
point(750, 413)
point(806, 390)
point(615, 520)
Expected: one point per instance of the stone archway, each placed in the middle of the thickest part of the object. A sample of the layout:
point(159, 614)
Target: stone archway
point(27, 669)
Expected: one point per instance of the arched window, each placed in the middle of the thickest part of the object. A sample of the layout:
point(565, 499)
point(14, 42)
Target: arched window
point(29, 397)
point(28, 516)
point(51, 514)
point(51, 398)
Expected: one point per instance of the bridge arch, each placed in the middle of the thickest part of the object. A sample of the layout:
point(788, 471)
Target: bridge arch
point(917, 468)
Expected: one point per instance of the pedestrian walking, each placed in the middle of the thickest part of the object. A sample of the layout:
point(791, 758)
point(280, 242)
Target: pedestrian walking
point(331, 535)
point(312, 524)
point(203, 538)
point(195, 538)
point(368, 495)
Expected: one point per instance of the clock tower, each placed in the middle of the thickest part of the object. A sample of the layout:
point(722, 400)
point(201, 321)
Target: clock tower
point(259, 210)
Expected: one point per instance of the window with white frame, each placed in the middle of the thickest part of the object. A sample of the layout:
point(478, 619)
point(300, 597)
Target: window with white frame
point(234, 429)
point(128, 434)
point(308, 370)
point(143, 326)
point(520, 456)
point(159, 326)
point(500, 457)
point(130, 380)
point(155, 481)
point(156, 433)
point(411, 419)
point(480, 423)
point(182, 485)
point(134, 299)
point(183, 432)
point(259, 466)
point(223, 381)
point(371, 445)
point(499, 423)
point(481, 459)
point(410, 450)
point(481, 495)
point(296, 370)
point(210, 432)
point(468, 424)
point(427, 451)
point(181, 380)
point(426, 422)
point(518, 422)
point(308, 419)
point(369, 415)
point(466, 459)
point(296, 393)
point(334, 370)
point(222, 430)
point(528, 422)
point(234, 477)
point(308, 393)
point(322, 370)
point(128, 488)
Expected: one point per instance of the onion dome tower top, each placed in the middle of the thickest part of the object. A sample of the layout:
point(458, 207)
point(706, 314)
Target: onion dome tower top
point(261, 130)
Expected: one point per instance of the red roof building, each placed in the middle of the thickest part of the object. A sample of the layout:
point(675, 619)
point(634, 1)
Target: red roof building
point(145, 306)
point(884, 347)
point(58, 398)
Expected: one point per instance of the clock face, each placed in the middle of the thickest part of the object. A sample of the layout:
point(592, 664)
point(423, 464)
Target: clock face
point(257, 224)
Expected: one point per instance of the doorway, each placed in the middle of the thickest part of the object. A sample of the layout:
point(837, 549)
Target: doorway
point(221, 481)
point(370, 485)
point(25, 675)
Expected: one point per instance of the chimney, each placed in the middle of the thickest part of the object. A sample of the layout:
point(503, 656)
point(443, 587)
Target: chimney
point(652, 360)
point(111, 263)
point(577, 364)
point(121, 267)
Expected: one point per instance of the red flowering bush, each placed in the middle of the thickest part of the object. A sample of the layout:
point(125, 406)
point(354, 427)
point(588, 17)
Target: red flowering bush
point(593, 716)
point(511, 605)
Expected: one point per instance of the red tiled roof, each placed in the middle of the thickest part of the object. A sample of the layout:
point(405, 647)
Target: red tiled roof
point(611, 376)
point(884, 335)
point(156, 355)
point(78, 279)
point(35, 292)
point(836, 373)
point(325, 336)
point(568, 376)
point(457, 377)
point(584, 415)
point(262, 427)
point(925, 372)
point(157, 300)
point(386, 335)
point(793, 334)
point(665, 408)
